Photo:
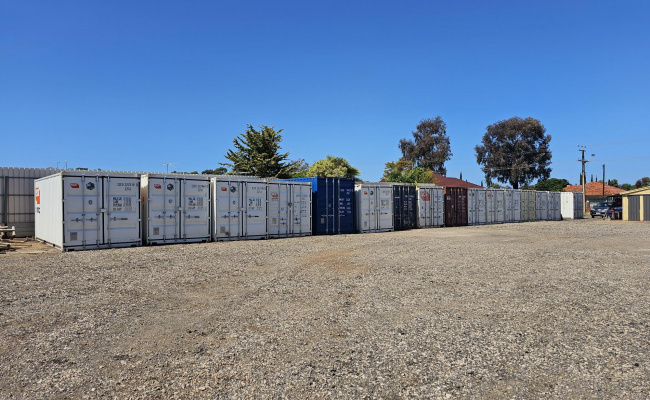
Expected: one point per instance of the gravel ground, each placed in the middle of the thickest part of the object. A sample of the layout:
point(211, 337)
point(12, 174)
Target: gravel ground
point(532, 310)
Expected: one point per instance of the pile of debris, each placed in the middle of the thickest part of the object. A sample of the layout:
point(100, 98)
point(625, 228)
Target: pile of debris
point(5, 245)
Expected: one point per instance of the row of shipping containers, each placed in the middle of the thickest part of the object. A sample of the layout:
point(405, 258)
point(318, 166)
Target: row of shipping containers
point(76, 210)
point(471, 206)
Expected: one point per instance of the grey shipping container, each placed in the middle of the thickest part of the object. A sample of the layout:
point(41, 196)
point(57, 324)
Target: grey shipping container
point(528, 199)
point(77, 210)
point(495, 206)
point(374, 207)
point(17, 197)
point(431, 206)
point(289, 209)
point(541, 206)
point(476, 206)
point(176, 208)
point(571, 205)
point(554, 206)
point(513, 205)
point(239, 208)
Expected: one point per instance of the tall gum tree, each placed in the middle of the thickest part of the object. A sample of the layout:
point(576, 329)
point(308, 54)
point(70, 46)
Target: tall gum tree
point(430, 147)
point(515, 151)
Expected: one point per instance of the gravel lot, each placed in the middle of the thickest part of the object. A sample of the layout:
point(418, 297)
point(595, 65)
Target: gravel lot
point(532, 310)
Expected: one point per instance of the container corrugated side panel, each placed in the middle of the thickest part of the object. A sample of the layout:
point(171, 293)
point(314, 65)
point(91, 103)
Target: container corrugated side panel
point(646, 207)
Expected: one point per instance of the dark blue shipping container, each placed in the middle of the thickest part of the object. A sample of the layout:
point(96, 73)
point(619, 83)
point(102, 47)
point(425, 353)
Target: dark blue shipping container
point(332, 202)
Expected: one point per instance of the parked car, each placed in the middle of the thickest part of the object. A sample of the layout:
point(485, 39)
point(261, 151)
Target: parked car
point(615, 210)
point(600, 209)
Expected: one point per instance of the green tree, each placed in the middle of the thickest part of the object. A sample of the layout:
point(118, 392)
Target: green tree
point(216, 171)
point(613, 182)
point(551, 185)
point(333, 167)
point(645, 181)
point(515, 151)
point(257, 153)
point(627, 186)
point(430, 147)
point(404, 171)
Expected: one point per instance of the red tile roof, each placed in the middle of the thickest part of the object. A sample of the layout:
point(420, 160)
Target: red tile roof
point(594, 189)
point(452, 182)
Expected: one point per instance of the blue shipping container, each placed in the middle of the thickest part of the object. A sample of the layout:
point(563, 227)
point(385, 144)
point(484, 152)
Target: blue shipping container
point(333, 210)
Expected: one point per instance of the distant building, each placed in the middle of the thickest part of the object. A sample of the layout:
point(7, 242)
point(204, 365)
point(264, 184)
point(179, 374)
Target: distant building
point(594, 191)
point(636, 204)
point(453, 182)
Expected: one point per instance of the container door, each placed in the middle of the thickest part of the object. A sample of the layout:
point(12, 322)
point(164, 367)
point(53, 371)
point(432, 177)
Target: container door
point(162, 209)
point(279, 209)
point(516, 206)
point(300, 209)
point(482, 206)
point(438, 199)
point(195, 206)
point(325, 204)
point(411, 206)
point(255, 209)
point(398, 200)
point(122, 204)
point(646, 207)
point(385, 211)
point(82, 211)
point(228, 209)
point(472, 207)
point(344, 206)
point(490, 217)
point(500, 209)
point(425, 214)
point(368, 209)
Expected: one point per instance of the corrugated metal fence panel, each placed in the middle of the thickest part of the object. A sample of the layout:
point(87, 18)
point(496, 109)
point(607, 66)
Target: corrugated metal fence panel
point(646, 207)
point(634, 208)
point(17, 197)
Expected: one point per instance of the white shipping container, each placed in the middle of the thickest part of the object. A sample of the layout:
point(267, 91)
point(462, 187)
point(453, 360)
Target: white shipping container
point(374, 207)
point(75, 210)
point(431, 206)
point(289, 208)
point(176, 208)
point(495, 206)
point(571, 207)
point(528, 211)
point(239, 208)
point(512, 205)
point(554, 205)
point(476, 206)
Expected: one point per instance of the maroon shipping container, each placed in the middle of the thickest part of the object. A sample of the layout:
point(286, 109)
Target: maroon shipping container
point(455, 206)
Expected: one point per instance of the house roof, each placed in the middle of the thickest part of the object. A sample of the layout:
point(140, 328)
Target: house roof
point(638, 191)
point(594, 189)
point(453, 182)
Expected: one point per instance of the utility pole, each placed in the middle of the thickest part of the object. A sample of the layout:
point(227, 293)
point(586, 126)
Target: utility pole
point(584, 197)
point(603, 181)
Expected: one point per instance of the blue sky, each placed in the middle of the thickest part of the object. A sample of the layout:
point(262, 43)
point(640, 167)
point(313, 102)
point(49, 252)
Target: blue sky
point(125, 85)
